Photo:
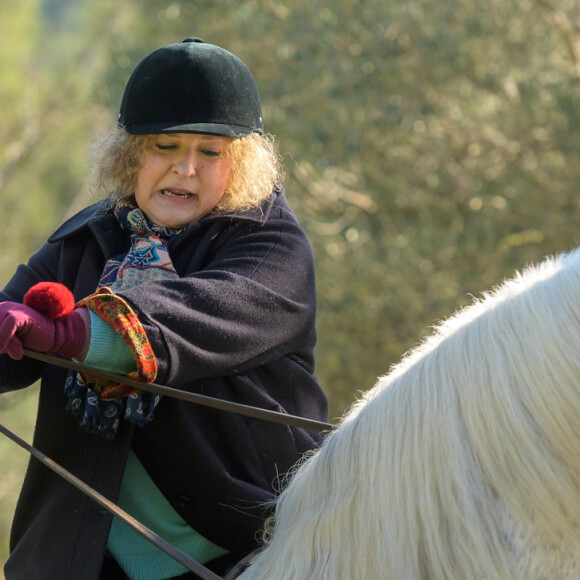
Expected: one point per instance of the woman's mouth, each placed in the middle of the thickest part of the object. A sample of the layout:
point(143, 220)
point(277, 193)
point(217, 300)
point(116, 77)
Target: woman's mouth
point(178, 194)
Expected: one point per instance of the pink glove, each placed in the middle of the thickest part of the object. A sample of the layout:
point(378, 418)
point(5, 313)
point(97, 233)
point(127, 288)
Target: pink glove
point(24, 327)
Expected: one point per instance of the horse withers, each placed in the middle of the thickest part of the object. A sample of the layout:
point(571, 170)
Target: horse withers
point(463, 462)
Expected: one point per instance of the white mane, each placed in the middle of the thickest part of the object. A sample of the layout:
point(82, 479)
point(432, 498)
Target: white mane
point(463, 462)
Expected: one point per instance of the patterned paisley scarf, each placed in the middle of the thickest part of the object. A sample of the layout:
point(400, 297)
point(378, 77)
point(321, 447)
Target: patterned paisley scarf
point(147, 259)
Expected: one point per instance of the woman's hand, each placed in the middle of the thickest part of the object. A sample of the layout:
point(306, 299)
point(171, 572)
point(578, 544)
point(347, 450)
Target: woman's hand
point(23, 327)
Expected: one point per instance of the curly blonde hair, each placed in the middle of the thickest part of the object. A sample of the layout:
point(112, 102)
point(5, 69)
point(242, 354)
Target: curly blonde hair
point(256, 170)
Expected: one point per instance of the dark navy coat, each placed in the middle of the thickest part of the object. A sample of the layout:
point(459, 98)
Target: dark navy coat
point(239, 324)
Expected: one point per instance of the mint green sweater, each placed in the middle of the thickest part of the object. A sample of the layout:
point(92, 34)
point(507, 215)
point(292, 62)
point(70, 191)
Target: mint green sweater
point(139, 496)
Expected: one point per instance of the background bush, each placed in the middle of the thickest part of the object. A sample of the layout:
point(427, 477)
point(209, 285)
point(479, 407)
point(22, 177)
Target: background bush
point(431, 148)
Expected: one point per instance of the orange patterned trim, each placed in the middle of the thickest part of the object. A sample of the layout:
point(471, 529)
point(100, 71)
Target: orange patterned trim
point(116, 312)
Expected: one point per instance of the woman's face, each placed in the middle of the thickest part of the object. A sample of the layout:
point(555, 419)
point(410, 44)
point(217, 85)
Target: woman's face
point(182, 177)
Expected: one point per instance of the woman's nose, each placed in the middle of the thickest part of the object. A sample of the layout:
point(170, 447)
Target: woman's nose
point(186, 164)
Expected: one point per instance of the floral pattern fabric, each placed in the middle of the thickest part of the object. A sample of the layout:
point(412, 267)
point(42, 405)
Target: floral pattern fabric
point(101, 404)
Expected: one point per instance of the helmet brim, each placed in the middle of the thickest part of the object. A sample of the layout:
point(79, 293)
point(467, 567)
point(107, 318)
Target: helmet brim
point(217, 129)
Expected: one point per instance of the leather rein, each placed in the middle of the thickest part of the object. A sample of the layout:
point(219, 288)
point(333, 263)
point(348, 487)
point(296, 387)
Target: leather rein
point(148, 534)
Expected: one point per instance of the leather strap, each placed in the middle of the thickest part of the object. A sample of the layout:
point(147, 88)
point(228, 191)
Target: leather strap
point(148, 534)
point(212, 402)
point(267, 415)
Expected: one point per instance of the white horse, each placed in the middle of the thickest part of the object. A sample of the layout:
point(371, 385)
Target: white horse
point(462, 463)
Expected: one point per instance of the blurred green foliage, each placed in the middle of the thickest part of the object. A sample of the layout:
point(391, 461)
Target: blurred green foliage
point(431, 147)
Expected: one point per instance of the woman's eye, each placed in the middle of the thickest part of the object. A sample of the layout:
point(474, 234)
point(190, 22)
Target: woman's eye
point(164, 147)
point(211, 153)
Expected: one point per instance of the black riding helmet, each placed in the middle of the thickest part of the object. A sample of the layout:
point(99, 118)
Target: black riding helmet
point(191, 87)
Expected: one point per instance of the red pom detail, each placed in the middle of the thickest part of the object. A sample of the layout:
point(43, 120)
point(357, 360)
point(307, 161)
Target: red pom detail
point(52, 299)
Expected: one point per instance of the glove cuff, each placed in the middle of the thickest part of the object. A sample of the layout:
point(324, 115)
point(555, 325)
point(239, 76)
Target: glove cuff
point(72, 336)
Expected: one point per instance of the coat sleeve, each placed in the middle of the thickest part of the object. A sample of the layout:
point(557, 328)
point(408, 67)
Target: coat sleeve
point(42, 267)
point(253, 302)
